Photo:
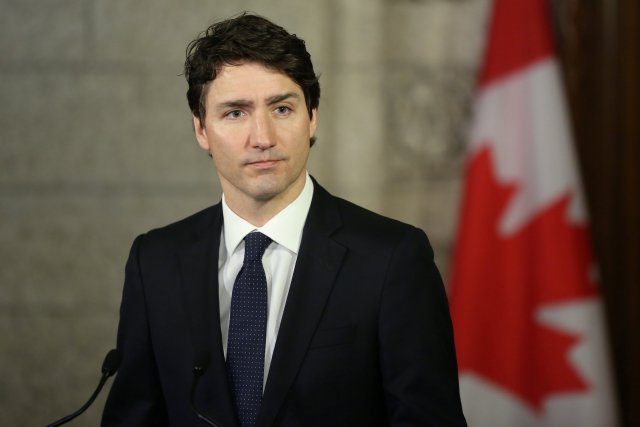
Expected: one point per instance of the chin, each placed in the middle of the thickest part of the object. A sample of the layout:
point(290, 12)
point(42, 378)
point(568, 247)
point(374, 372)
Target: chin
point(266, 191)
point(264, 197)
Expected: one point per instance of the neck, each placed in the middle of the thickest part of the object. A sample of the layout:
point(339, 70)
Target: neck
point(256, 213)
point(259, 211)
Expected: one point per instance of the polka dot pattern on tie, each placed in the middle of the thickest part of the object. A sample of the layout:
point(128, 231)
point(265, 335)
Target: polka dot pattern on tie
point(247, 330)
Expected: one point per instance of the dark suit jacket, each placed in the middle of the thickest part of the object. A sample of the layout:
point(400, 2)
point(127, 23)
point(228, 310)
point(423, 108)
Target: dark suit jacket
point(365, 337)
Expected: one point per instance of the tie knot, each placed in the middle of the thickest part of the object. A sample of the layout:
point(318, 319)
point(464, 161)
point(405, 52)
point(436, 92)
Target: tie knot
point(254, 246)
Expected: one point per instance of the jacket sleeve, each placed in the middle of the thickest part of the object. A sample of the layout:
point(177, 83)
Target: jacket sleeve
point(135, 398)
point(417, 354)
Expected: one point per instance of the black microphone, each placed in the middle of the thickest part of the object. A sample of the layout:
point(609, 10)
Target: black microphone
point(109, 367)
point(200, 366)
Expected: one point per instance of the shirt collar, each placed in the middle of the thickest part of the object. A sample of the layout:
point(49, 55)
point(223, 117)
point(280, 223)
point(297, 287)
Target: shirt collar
point(285, 228)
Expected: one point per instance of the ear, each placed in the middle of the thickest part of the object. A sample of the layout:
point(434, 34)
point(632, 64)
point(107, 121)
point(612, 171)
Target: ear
point(201, 133)
point(313, 124)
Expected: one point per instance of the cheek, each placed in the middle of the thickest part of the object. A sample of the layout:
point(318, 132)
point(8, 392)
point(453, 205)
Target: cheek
point(224, 133)
point(224, 142)
point(297, 135)
point(223, 156)
point(222, 153)
point(302, 152)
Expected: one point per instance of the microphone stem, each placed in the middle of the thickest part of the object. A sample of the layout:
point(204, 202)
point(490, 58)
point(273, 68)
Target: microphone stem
point(192, 401)
point(84, 407)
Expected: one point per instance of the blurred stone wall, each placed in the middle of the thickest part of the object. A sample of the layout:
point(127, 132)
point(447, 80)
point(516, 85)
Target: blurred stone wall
point(96, 147)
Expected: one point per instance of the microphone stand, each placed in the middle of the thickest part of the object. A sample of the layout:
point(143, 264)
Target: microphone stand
point(109, 367)
point(199, 368)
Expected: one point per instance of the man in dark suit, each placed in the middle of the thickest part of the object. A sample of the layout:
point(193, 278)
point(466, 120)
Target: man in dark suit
point(342, 320)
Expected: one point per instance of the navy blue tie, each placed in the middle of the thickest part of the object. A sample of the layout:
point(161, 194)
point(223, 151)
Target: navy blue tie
point(247, 330)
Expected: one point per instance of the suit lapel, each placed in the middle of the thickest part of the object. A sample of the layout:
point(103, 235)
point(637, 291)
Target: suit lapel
point(199, 275)
point(318, 262)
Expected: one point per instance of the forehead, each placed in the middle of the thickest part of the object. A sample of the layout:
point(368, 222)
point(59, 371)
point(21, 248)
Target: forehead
point(249, 81)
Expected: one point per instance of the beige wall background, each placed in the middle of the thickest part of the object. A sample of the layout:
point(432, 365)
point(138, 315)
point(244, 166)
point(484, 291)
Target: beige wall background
point(96, 147)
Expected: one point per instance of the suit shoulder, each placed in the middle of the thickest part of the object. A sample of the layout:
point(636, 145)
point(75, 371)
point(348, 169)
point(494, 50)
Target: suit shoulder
point(356, 220)
point(371, 227)
point(184, 230)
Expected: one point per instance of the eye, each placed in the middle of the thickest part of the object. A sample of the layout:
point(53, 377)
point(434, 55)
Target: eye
point(283, 110)
point(235, 114)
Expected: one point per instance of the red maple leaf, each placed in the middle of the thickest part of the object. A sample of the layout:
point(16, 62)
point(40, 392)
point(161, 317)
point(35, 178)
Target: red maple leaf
point(499, 284)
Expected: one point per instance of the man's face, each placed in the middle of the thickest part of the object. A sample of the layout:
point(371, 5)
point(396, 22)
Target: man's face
point(257, 130)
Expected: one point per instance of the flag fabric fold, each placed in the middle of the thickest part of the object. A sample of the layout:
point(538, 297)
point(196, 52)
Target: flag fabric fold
point(528, 317)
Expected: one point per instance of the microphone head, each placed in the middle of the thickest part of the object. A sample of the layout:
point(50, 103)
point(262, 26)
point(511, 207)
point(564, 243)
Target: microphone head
point(111, 363)
point(201, 363)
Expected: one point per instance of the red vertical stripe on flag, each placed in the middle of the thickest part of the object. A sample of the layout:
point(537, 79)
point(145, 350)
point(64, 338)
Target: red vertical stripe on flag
point(519, 36)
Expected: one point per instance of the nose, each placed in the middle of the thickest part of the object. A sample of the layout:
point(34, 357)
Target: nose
point(262, 132)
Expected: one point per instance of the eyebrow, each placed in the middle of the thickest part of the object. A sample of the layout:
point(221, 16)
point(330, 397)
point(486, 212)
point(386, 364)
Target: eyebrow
point(279, 98)
point(243, 103)
point(236, 103)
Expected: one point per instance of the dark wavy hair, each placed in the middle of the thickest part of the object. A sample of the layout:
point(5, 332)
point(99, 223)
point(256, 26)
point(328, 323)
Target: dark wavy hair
point(247, 38)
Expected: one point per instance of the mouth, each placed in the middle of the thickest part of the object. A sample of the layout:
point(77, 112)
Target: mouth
point(263, 164)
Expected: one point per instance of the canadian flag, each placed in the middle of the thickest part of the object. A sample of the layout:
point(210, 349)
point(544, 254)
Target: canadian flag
point(528, 319)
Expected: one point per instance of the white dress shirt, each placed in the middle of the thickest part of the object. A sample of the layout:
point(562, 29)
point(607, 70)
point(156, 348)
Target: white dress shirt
point(279, 260)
